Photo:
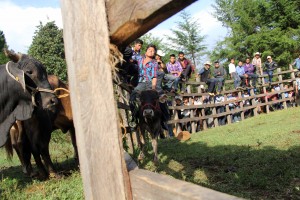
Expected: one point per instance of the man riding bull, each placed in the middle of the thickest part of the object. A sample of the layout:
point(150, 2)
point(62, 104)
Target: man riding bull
point(148, 70)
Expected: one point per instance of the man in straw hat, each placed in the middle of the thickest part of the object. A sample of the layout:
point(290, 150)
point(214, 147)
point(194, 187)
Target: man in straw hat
point(204, 74)
point(256, 61)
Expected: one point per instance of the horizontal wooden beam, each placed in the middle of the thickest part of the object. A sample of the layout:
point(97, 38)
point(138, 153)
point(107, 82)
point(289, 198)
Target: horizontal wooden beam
point(149, 185)
point(130, 19)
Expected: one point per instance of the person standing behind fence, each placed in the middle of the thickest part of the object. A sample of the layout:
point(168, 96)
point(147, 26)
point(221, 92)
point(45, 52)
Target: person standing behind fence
point(270, 66)
point(241, 73)
point(219, 74)
point(204, 74)
point(233, 74)
point(256, 61)
point(250, 71)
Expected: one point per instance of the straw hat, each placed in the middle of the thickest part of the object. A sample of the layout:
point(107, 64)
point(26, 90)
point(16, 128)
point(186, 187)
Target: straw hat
point(160, 53)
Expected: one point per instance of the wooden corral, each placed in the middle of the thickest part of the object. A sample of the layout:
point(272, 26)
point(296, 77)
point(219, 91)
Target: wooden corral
point(88, 27)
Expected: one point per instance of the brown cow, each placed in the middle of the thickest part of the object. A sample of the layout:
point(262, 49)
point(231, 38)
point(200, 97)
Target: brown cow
point(63, 121)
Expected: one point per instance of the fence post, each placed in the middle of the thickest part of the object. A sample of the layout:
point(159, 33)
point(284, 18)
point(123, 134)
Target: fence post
point(253, 102)
point(92, 96)
point(192, 114)
point(281, 88)
point(241, 106)
point(293, 76)
point(227, 110)
point(216, 119)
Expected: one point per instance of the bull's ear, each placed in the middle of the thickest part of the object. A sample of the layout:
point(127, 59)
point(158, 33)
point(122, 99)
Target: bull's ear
point(22, 111)
point(18, 74)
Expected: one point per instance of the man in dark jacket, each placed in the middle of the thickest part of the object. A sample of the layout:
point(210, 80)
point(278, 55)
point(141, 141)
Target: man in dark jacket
point(219, 74)
point(204, 74)
point(270, 66)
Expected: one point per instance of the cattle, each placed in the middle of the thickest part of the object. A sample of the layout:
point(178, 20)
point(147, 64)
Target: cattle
point(24, 89)
point(63, 121)
point(149, 116)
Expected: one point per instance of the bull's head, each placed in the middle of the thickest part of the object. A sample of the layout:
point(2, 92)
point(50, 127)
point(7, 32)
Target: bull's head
point(149, 103)
point(34, 80)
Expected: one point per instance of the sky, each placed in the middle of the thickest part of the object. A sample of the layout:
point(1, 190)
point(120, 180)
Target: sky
point(19, 20)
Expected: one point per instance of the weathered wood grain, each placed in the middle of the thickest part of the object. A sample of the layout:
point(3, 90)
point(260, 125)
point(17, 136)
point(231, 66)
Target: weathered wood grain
point(86, 38)
point(149, 185)
point(130, 19)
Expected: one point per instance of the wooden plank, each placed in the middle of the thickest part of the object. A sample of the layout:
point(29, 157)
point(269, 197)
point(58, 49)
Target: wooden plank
point(230, 112)
point(148, 185)
point(86, 38)
point(130, 19)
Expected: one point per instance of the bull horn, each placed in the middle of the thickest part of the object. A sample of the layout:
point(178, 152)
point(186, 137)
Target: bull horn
point(12, 55)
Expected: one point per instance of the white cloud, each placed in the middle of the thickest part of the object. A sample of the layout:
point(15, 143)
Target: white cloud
point(19, 24)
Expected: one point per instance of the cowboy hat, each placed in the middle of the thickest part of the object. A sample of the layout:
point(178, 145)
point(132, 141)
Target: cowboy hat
point(160, 53)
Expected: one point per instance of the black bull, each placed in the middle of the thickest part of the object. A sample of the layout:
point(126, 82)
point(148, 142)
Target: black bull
point(150, 116)
point(20, 96)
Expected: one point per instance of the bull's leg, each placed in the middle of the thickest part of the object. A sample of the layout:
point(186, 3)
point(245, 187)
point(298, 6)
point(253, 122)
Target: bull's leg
point(26, 155)
point(154, 146)
point(18, 146)
point(43, 174)
point(44, 149)
point(73, 138)
point(139, 134)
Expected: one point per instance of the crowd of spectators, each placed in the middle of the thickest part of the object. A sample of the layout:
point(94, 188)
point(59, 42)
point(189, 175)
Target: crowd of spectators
point(172, 75)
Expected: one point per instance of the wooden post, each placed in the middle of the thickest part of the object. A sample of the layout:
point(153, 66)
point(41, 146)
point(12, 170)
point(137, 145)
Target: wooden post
point(192, 114)
point(227, 110)
point(253, 102)
point(216, 119)
point(86, 38)
point(281, 88)
point(241, 106)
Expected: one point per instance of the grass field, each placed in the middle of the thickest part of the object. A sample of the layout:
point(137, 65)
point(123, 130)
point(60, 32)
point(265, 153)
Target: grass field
point(258, 158)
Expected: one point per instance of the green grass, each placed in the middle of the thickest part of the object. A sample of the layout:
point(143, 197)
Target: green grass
point(258, 158)
point(15, 185)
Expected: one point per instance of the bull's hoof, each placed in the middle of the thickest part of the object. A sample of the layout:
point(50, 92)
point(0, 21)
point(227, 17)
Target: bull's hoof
point(141, 156)
point(55, 175)
point(155, 160)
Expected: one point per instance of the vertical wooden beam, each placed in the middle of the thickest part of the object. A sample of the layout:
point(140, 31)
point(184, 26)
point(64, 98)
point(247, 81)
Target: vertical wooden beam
point(281, 88)
point(227, 110)
point(241, 106)
point(86, 38)
point(253, 102)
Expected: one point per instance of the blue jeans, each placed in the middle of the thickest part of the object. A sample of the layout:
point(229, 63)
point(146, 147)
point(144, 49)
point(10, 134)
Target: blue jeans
point(172, 80)
point(220, 83)
point(237, 80)
point(270, 74)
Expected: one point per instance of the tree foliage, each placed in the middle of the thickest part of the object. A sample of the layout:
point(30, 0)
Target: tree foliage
point(268, 26)
point(48, 47)
point(187, 38)
point(3, 58)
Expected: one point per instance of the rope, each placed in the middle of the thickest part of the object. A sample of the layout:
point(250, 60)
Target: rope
point(10, 74)
point(61, 95)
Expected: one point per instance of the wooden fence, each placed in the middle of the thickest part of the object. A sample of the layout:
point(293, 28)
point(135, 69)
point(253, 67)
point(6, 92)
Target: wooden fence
point(254, 106)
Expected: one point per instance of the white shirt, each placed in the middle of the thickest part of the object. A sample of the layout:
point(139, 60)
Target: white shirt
point(231, 68)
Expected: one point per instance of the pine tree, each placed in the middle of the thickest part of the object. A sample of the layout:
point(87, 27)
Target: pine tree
point(48, 47)
point(187, 38)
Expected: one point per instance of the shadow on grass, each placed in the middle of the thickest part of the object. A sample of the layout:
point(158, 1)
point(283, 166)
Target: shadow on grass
point(15, 174)
point(253, 172)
